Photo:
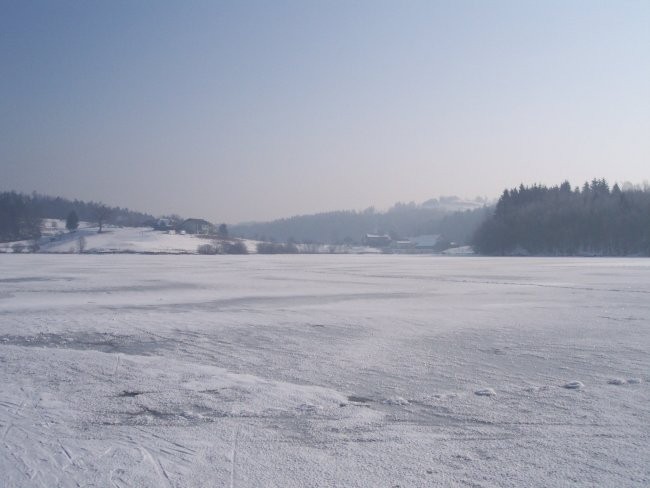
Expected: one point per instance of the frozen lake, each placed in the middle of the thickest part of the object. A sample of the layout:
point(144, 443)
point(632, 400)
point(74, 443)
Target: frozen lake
point(295, 371)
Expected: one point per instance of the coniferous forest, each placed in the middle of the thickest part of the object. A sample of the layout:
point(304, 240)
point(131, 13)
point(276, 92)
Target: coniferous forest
point(529, 220)
point(21, 215)
point(592, 220)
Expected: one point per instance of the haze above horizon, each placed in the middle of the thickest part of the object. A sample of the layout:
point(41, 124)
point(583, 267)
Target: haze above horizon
point(240, 111)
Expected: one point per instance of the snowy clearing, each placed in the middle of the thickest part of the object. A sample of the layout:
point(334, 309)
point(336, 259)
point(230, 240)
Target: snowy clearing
point(349, 370)
point(138, 240)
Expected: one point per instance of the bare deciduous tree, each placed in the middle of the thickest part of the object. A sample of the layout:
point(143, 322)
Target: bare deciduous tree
point(81, 243)
point(102, 213)
point(34, 246)
point(18, 247)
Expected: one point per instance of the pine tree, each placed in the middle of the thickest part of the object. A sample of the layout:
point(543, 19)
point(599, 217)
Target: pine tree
point(72, 221)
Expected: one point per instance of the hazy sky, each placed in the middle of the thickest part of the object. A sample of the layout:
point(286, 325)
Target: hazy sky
point(253, 110)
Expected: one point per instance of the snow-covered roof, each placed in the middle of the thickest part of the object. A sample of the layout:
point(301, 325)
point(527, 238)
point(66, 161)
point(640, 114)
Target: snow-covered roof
point(426, 240)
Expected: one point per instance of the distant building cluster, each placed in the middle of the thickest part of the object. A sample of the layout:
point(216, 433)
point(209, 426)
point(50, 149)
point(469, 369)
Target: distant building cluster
point(188, 226)
point(423, 243)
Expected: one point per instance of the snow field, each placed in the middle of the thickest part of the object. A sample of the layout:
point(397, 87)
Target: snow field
point(126, 370)
point(118, 240)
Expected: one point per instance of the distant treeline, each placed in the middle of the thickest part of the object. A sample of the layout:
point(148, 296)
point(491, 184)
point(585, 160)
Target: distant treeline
point(349, 227)
point(559, 220)
point(21, 215)
point(18, 218)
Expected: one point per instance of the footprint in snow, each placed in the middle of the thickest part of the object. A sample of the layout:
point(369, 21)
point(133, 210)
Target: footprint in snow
point(621, 381)
point(574, 385)
point(486, 392)
point(616, 381)
point(309, 408)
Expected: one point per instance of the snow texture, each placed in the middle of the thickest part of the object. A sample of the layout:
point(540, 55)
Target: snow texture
point(486, 392)
point(305, 371)
point(142, 240)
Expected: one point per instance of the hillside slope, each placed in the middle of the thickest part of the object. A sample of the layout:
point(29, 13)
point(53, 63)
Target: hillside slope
point(117, 240)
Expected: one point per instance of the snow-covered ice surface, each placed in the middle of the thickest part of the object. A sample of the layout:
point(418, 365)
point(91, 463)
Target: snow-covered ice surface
point(295, 371)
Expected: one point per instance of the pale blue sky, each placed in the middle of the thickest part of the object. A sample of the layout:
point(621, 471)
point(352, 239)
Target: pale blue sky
point(252, 110)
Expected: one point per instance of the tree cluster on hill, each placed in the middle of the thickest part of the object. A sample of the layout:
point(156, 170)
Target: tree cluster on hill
point(19, 219)
point(72, 221)
point(21, 215)
point(559, 220)
point(350, 227)
point(223, 247)
point(275, 248)
point(59, 208)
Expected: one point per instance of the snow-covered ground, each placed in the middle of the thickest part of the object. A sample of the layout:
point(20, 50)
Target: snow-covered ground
point(459, 251)
point(295, 371)
point(112, 239)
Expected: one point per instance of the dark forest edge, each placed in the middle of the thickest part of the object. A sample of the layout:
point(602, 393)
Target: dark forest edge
point(21, 215)
point(560, 221)
point(536, 220)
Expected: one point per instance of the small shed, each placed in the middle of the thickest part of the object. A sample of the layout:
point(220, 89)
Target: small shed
point(376, 240)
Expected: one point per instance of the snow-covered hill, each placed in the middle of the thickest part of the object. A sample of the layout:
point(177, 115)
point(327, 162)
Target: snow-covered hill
point(140, 240)
point(115, 240)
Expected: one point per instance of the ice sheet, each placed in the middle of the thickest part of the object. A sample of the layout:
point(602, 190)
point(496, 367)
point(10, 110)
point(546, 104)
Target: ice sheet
point(352, 370)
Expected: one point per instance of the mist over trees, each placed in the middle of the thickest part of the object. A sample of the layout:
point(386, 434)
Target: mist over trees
point(559, 220)
point(21, 215)
point(349, 227)
point(275, 248)
point(592, 220)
